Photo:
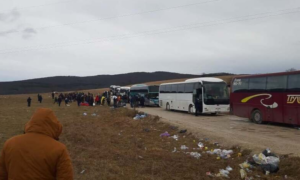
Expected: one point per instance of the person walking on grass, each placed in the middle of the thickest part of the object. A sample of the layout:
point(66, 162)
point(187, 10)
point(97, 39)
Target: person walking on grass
point(29, 101)
point(37, 154)
point(40, 98)
point(66, 101)
point(59, 101)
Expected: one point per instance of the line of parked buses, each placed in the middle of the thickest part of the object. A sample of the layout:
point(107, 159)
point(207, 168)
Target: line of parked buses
point(261, 98)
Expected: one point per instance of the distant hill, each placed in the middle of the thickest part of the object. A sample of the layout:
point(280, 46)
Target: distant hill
point(73, 83)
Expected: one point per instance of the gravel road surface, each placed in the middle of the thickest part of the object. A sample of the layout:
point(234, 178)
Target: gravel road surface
point(230, 131)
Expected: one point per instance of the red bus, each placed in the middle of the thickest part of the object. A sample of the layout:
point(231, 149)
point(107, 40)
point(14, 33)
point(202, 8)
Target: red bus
point(267, 97)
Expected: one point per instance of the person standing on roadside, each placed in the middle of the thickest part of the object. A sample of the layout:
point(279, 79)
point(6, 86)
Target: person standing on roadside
point(115, 99)
point(197, 106)
point(29, 101)
point(37, 154)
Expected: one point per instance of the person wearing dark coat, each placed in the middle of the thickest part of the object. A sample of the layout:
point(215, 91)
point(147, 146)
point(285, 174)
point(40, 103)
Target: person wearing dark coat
point(53, 95)
point(40, 98)
point(142, 101)
point(29, 101)
point(59, 101)
point(197, 106)
point(78, 100)
point(108, 101)
point(55, 100)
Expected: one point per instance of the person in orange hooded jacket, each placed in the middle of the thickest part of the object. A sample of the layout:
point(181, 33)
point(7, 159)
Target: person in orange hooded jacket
point(37, 154)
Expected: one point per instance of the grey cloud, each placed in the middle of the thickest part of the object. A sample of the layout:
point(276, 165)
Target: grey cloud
point(10, 16)
point(4, 33)
point(28, 33)
point(257, 46)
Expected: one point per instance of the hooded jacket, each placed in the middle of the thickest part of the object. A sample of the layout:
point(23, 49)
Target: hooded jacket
point(37, 155)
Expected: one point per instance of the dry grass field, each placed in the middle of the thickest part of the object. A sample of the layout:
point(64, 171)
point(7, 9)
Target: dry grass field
point(111, 145)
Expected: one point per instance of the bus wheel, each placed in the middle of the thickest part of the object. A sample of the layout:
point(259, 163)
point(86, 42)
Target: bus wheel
point(168, 107)
point(214, 114)
point(257, 117)
point(190, 109)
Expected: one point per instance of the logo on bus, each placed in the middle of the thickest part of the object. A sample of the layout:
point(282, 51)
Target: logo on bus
point(293, 98)
point(273, 106)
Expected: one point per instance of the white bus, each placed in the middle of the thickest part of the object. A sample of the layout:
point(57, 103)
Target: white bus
point(124, 91)
point(212, 93)
point(115, 89)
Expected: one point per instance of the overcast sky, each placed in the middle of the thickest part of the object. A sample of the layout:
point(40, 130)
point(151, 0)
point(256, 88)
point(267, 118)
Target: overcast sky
point(40, 38)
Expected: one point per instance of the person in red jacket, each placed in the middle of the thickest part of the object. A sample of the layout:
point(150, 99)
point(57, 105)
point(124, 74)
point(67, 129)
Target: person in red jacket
point(37, 154)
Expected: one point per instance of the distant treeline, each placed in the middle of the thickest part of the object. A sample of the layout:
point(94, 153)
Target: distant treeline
point(73, 83)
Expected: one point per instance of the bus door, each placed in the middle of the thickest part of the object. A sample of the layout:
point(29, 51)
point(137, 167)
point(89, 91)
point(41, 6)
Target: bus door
point(277, 107)
point(197, 94)
point(291, 109)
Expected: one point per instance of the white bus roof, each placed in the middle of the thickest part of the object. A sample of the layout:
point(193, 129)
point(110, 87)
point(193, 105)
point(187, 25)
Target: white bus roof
point(125, 87)
point(207, 79)
point(200, 80)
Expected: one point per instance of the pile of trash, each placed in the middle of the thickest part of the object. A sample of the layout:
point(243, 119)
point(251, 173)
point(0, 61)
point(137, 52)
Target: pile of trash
point(222, 173)
point(224, 154)
point(140, 116)
point(267, 161)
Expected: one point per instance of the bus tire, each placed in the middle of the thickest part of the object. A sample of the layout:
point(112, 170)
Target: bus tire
point(256, 117)
point(214, 114)
point(190, 109)
point(168, 107)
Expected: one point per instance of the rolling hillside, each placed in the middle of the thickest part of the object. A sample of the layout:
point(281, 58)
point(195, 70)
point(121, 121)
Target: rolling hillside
point(72, 83)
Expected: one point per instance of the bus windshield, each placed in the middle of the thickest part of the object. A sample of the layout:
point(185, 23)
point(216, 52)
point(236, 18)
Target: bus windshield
point(215, 93)
point(124, 90)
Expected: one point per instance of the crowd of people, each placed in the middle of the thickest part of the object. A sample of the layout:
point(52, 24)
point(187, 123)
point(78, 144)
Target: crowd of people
point(89, 99)
point(137, 101)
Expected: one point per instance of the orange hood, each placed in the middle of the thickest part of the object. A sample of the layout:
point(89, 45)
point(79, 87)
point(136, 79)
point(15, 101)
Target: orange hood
point(44, 122)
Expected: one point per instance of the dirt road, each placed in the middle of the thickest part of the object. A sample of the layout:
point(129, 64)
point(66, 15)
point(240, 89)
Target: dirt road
point(230, 130)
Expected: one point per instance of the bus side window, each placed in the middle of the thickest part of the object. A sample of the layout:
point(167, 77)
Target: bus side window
point(162, 89)
point(294, 83)
point(174, 88)
point(258, 84)
point(240, 85)
point(180, 88)
point(276, 83)
point(189, 88)
point(168, 88)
